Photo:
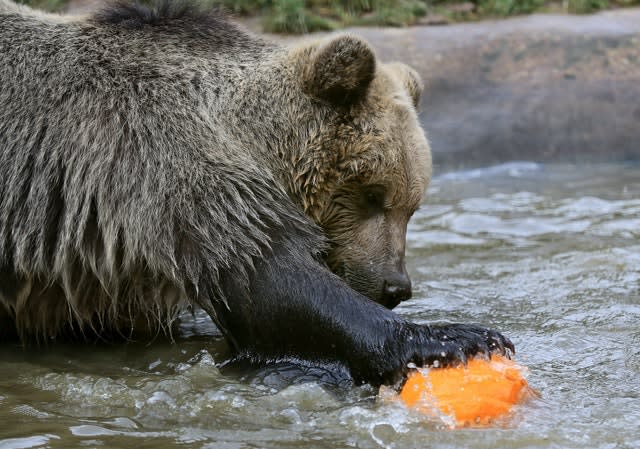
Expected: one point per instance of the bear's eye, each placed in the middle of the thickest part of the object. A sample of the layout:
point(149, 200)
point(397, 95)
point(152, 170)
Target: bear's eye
point(374, 198)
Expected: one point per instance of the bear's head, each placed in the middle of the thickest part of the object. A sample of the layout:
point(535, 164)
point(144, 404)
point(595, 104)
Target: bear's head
point(365, 162)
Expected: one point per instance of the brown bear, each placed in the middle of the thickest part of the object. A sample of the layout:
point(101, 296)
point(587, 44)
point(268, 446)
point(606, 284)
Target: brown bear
point(156, 158)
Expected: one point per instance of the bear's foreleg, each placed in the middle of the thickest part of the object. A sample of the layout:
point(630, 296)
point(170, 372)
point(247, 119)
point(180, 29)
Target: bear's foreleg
point(295, 308)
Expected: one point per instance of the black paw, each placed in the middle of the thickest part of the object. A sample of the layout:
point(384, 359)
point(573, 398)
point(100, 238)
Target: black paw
point(452, 344)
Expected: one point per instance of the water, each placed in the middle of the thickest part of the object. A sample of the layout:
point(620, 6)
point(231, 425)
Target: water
point(548, 254)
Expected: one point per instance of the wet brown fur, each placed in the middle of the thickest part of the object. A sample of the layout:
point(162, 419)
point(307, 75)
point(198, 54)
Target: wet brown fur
point(143, 159)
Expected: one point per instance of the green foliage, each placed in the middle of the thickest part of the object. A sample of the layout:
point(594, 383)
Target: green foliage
point(242, 6)
point(586, 6)
point(300, 16)
point(297, 16)
point(509, 7)
point(388, 13)
point(291, 16)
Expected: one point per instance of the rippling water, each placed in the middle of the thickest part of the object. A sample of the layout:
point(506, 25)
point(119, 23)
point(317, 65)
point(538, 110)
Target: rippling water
point(548, 254)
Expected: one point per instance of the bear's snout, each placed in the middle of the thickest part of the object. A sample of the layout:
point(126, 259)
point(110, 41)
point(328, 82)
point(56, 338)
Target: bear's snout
point(395, 289)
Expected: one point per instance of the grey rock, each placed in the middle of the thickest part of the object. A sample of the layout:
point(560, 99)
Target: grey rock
point(542, 87)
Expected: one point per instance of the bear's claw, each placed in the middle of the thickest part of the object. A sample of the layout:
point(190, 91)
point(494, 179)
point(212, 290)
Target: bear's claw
point(454, 344)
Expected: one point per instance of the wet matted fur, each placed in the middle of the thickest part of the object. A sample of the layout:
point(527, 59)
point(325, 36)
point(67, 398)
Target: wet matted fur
point(156, 158)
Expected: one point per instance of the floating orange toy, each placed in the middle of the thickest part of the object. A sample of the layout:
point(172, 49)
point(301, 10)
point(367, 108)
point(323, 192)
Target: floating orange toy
point(472, 395)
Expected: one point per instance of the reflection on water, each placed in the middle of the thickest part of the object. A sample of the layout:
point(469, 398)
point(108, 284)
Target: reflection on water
point(548, 254)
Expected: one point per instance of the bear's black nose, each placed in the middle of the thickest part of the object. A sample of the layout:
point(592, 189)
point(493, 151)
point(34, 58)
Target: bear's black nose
point(396, 288)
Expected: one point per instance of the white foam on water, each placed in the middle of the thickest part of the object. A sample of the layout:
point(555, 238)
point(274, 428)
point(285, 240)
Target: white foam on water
point(34, 441)
point(514, 169)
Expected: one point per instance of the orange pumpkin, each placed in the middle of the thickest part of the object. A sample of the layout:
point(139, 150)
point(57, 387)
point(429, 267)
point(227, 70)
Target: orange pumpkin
point(473, 395)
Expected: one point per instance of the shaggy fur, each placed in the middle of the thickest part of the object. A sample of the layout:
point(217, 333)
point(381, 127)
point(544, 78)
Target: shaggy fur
point(113, 169)
point(152, 159)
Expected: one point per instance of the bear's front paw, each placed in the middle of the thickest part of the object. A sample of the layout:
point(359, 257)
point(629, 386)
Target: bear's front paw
point(455, 343)
point(475, 339)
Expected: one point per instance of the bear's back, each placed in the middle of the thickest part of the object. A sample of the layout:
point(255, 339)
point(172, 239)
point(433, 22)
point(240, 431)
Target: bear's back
point(127, 66)
point(130, 37)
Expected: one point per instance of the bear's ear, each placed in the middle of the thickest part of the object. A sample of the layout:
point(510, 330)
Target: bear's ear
point(339, 71)
point(409, 79)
